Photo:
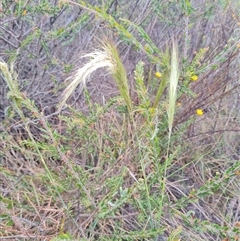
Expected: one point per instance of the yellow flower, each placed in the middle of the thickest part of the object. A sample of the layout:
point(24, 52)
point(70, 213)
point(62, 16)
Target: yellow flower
point(199, 112)
point(24, 12)
point(158, 74)
point(146, 48)
point(194, 77)
point(179, 104)
point(237, 172)
point(152, 111)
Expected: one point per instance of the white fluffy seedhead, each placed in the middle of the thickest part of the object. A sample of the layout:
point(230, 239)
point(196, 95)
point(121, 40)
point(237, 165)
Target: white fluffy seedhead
point(106, 57)
point(98, 59)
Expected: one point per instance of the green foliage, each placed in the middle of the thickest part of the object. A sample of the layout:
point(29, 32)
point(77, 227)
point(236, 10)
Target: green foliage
point(93, 173)
point(140, 86)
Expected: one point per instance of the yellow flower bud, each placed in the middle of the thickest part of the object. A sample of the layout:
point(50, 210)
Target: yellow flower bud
point(199, 112)
point(158, 74)
point(146, 48)
point(179, 104)
point(152, 111)
point(194, 77)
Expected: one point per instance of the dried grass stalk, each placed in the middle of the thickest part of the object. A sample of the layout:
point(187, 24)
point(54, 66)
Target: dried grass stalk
point(174, 76)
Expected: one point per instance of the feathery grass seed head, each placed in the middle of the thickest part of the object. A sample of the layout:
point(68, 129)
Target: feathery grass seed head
point(107, 56)
point(173, 83)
